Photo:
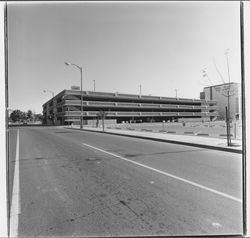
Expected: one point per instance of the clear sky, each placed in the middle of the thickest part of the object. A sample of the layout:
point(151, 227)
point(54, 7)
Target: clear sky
point(161, 45)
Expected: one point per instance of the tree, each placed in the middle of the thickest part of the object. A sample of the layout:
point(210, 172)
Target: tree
point(29, 115)
point(102, 115)
point(16, 115)
point(24, 116)
point(38, 117)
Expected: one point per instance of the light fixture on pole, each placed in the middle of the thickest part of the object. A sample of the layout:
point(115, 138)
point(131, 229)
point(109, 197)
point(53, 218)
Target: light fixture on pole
point(45, 91)
point(80, 68)
point(205, 75)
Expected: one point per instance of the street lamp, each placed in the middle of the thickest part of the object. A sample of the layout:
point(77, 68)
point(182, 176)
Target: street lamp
point(80, 68)
point(45, 91)
point(205, 75)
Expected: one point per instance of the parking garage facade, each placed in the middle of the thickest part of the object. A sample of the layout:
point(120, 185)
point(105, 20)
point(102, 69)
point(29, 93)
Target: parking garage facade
point(65, 108)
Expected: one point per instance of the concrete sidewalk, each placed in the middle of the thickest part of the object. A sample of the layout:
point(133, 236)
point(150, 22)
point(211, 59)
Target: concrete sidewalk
point(197, 141)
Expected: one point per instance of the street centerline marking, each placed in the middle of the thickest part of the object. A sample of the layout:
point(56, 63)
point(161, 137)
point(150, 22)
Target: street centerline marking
point(168, 174)
point(15, 202)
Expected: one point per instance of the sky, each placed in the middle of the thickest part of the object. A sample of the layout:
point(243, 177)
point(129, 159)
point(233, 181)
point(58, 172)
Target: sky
point(162, 46)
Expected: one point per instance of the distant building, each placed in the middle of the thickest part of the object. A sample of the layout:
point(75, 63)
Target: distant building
point(220, 94)
point(65, 108)
point(202, 95)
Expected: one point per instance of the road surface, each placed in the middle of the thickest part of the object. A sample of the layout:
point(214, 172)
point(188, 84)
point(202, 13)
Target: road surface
point(71, 183)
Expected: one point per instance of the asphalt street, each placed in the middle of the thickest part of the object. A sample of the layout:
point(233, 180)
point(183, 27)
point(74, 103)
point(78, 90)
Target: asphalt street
point(79, 183)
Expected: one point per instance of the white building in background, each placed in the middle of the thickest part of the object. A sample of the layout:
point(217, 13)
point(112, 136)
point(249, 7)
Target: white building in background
point(220, 94)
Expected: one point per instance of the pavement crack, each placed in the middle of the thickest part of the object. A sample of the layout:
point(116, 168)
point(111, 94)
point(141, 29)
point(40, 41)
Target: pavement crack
point(126, 205)
point(75, 218)
point(139, 216)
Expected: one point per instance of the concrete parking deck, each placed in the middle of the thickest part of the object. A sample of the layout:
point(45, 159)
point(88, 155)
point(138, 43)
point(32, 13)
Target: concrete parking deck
point(197, 141)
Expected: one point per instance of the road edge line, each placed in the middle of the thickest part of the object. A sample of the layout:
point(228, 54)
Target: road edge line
point(168, 174)
point(15, 201)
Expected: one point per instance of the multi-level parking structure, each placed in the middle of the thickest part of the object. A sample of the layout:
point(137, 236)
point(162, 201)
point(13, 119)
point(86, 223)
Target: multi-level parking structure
point(65, 107)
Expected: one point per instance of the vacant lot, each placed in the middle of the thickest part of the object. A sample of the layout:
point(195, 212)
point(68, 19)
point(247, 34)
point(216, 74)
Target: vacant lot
point(213, 129)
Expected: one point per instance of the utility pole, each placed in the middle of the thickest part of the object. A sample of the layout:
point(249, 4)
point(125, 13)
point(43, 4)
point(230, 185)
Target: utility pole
point(94, 85)
point(140, 89)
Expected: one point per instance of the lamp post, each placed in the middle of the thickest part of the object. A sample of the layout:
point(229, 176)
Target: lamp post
point(80, 68)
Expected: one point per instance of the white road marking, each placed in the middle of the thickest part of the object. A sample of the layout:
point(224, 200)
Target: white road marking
point(15, 202)
point(168, 174)
point(216, 225)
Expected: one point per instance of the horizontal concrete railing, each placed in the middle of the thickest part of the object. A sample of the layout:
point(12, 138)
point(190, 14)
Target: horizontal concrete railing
point(132, 105)
point(134, 114)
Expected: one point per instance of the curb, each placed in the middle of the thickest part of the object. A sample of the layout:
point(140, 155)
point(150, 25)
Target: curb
point(238, 151)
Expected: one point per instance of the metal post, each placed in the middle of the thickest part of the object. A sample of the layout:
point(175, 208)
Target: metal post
point(235, 130)
point(81, 100)
point(228, 66)
point(227, 126)
point(228, 98)
point(244, 158)
point(103, 122)
point(68, 115)
point(228, 115)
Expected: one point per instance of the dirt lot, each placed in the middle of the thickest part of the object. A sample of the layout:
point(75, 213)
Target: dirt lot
point(212, 129)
